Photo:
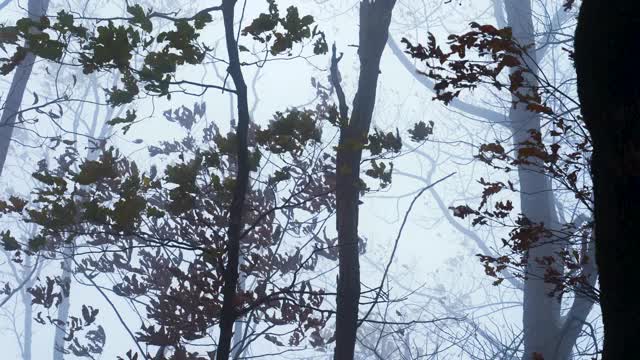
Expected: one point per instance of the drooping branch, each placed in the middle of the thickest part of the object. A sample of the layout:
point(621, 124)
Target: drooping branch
point(488, 115)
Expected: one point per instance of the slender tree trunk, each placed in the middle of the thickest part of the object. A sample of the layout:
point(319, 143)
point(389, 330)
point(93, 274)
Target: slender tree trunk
point(546, 333)
point(375, 17)
point(63, 308)
point(67, 252)
point(541, 312)
point(606, 59)
point(28, 310)
point(36, 8)
point(238, 336)
point(234, 232)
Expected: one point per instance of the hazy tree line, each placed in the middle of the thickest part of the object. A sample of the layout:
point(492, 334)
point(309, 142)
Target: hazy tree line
point(241, 236)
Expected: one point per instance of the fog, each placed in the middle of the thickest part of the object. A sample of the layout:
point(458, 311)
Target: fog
point(474, 238)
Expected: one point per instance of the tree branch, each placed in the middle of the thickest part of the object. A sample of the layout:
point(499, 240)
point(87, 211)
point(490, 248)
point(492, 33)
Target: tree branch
point(491, 116)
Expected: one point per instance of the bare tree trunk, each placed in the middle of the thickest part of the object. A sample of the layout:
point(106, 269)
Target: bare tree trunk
point(234, 232)
point(606, 57)
point(67, 252)
point(541, 312)
point(36, 8)
point(375, 17)
point(63, 308)
point(28, 310)
point(546, 333)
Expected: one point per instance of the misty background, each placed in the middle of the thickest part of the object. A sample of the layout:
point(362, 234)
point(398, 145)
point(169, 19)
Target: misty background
point(440, 301)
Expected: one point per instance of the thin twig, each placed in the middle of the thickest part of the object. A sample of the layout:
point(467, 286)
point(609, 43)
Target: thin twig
point(395, 245)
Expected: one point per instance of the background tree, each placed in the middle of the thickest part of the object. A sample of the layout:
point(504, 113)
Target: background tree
point(543, 250)
point(11, 107)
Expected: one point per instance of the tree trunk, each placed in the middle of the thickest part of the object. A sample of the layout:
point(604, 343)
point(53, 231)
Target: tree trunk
point(28, 310)
point(68, 250)
point(234, 232)
point(63, 308)
point(541, 312)
point(546, 334)
point(606, 56)
point(36, 8)
point(375, 18)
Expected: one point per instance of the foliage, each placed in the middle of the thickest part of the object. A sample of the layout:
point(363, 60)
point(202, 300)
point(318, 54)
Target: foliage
point(266, 29)
point(163, 232)
point(160, 232)
point(165, 235)
point(99, 48)
point(562, 152)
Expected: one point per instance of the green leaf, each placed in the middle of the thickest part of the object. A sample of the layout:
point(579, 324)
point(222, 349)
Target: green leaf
point(37, 243)
point(140, 18)
point(9, 242)
point(93, 171)
point(421, 131)
point(8, 35)
point(202, 19)
point(290, 131)
point(379, 142)
point(127, 212)
point(260, 25)
point(379, 171)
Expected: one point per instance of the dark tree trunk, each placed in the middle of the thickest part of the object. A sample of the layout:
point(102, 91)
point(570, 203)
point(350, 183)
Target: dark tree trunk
point(234, 232)
point(607, 48)
point(375, 17)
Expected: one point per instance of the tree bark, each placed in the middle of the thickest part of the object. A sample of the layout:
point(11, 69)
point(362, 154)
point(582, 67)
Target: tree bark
point(546, 333)
point(28, 310)
point(606, 56)
point(541, 312)
point(231, 275)
point(65, 305)
point(375, 17)
point(36, 8)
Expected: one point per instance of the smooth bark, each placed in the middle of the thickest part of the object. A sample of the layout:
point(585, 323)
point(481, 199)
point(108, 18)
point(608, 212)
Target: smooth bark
point(28, 311)
point(4, 4)
point(541, 312)
point(545, 331)
point(65, 305)
point(547, 334)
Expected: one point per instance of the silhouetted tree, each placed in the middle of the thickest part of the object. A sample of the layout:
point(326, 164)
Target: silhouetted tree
point(606, 53)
